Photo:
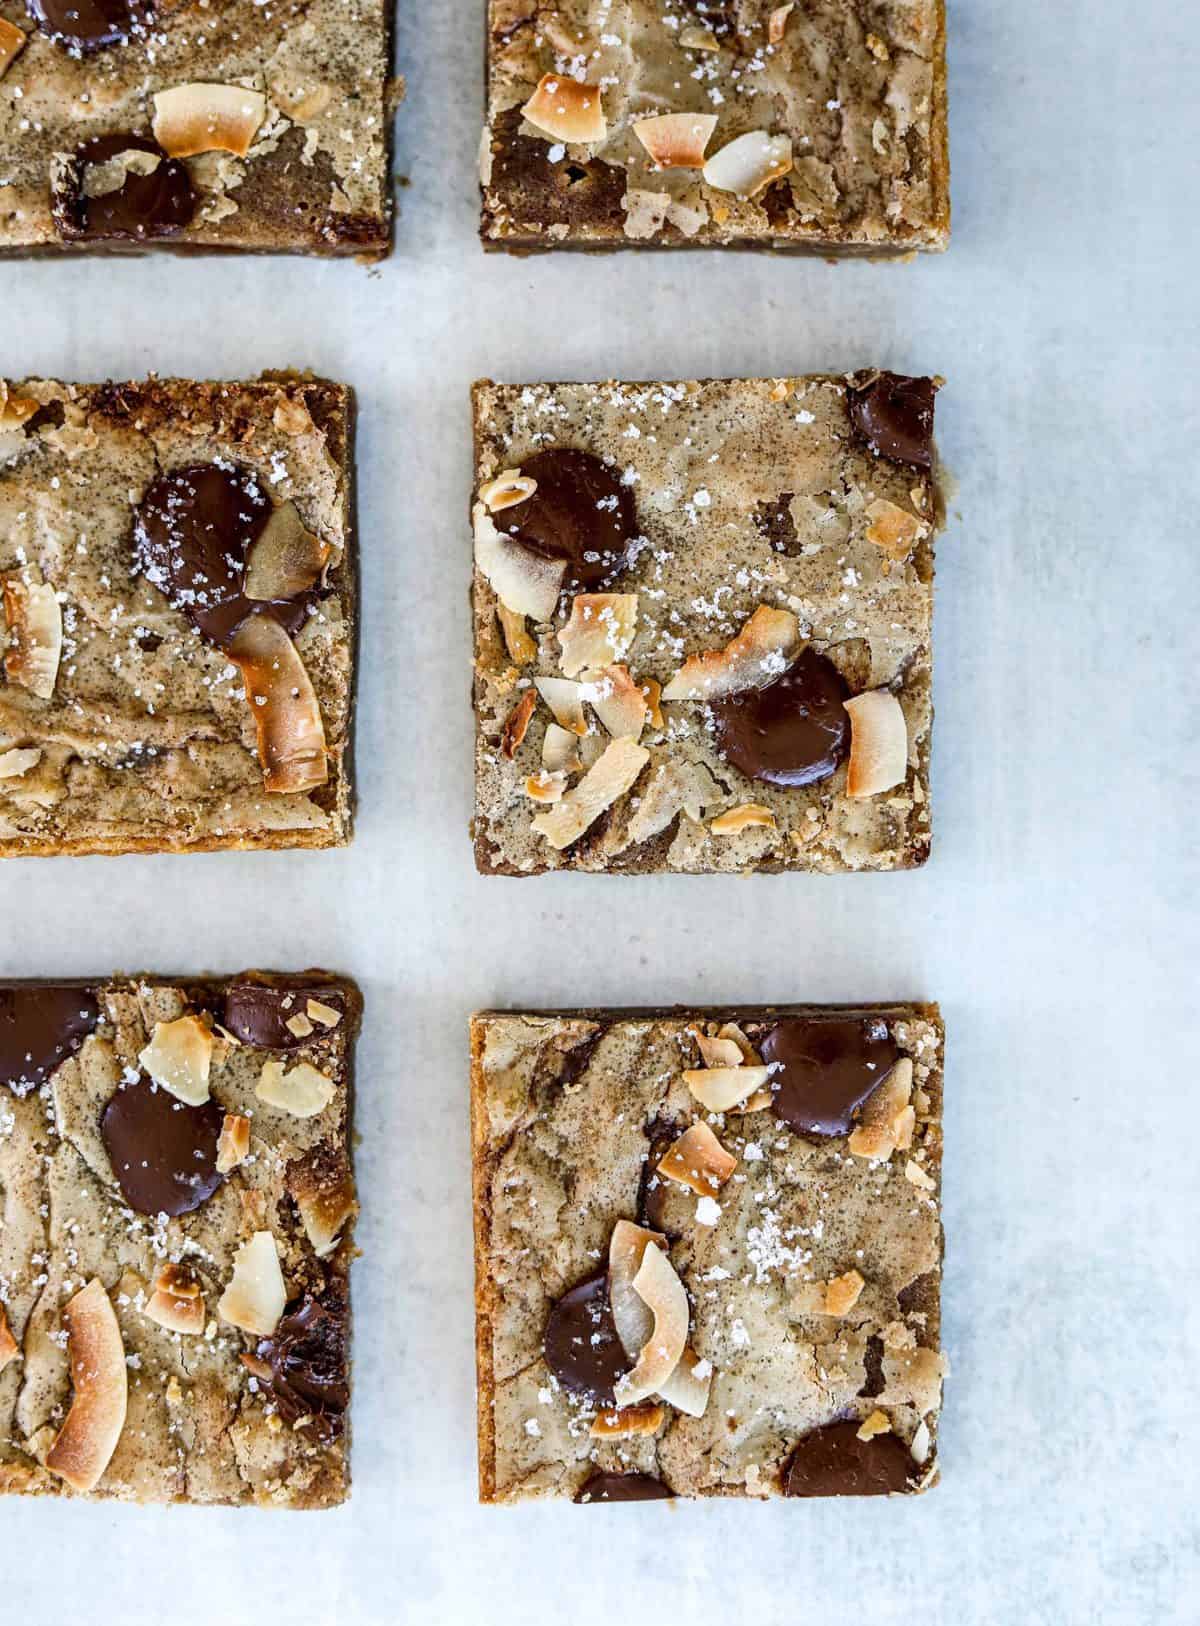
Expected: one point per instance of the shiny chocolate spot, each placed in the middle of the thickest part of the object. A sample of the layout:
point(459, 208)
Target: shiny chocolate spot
point(581, 1344)
point(833, 1461)
point(192, 532)
point(307, 1357)
point(39, 1029)
point(623, 1488)
point(258, 1014)
point(827, 1068)
point(793, 732)
point(141, 208)
point(163, 1153)
point(894, 415)
point(580, 512)
point(89, 25)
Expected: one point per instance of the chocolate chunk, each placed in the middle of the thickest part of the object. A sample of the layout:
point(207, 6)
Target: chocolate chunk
point(163, 1153)
point(833, 1461)
point(307, 1357)
point(258, 1014)
point(89, 25)
point(623, 1488)
point(829, 1066)
point(581, 1344)
point(193, 530)
point(894, 415)
point(39, 1029)
point(793, 732)
point(159, 204)
point(580, 512)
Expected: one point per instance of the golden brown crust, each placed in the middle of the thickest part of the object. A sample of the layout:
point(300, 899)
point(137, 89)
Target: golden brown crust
point(482, 1162)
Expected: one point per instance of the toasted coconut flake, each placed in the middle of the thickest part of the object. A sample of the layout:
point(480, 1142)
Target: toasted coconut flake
point(9, 1348)
point(694, 38)
point(730, 1030)
point(190, 119)
point(843, 1293)
point(762, 650)
point(600, 787)
point(878, 743)
point(566, 110)
point(35, 634)
point(699, 1161)
point(304, 1092)
point(287, 718)
point(506, 490)
point(517, 641)
point(256, 1295)
point(523, 581)
point(632, 1318)
point(657, 1284)
point(88, 1438)
point(919, 1449)
point(749, 163)
point(324, 1210)
point(676, 140)
point(599, 631)
point(292, 417)
point(885, 1124)
point(15, 410)
point(328, 1016)
point(177, 1303)
point(233, 1145)
point(617, 701)
point(287, 558)
point(626, 1420)
point(299, 1025)
point(916, 1176)
point(565, 699)
point(652, 692)
point(12, 43)
point(893, 528)
point(560, 750)
point(777, 24)
point(546, 788)
point(877, 1423)
point(687, 1387)
point(517, 724)
point(178, 1058)
point(721, 1089)
point(717, 1052)
point(18, 761)
point(743, 817)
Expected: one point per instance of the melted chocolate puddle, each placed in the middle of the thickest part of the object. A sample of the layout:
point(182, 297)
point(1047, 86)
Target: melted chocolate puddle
point(39, 1029)
point(828, 1067)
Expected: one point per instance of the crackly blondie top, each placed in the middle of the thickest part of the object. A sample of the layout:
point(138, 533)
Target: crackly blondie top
point(708, 1252)
point(207, 124)
point(702, 624)
point(818, 126)
point(178, 1216)
point(177, 615)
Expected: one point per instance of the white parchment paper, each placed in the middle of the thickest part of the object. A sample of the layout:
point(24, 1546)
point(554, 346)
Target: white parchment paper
point(1056, 921)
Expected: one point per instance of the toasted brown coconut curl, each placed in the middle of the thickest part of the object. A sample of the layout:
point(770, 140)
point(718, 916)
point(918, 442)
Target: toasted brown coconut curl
point(287, 718)
point(88, 1438)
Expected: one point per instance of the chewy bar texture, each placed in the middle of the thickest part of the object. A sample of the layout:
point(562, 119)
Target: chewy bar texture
point(702, 624)
point(178, 1219)
point(708, 1252)
point(177, 617)
point(125, 125)
point(818, 127)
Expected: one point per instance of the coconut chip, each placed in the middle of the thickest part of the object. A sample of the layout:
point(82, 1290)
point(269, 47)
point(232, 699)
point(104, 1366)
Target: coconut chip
point(699, 1161)
point(688, 1386)
point(617, 700)
point(191, 119)
point(843, 1293)
point(177, 1303)
point(676, 140)
point(544, 787)
point(517, 641)
point(286, 559)
point(749, 163)
point(84, 1445)
point(566, 110)
point(777, 24)
point(517, 724)
point(606, 781)
point(560, 750)
point(9, 1348)
point(304, 1092)
point(599, 631)
point(326, 1016)
point(719, 1052)
point(12, 43)
point(35, 634)
point(287, 718)
point(886, 1122)
point(565, 699)
point(233, 1145)
point(18, 761)
point(626, 1420)
point(877, 1423)
point(893, 528)
point(744, 817)
point(15, 410)
point(525, 582)
point(760, 653)
point(721, 1089)
point(878, 743)
point(325, 1199)
point(657, 1284)
point(506, 490)
point(256, 1295)
point(631, 1317)
point(178, 1058)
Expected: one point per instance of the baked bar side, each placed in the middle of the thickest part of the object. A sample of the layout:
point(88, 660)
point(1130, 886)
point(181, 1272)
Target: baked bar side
point(483, 1158)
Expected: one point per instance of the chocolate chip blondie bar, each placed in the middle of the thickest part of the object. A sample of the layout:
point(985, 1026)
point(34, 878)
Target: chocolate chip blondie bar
point(708, 1252)
point(702, 624)
point(177, 615)
point(818, 127)
point(127, 124)
point(174, 1258)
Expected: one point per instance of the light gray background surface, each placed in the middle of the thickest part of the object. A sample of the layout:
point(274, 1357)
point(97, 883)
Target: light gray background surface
point(1055, 922)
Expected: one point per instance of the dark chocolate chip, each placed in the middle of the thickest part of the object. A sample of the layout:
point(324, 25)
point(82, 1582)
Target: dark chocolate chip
point(795, 731)
point(581, 1344)
point(580, 512)
point(623, 1488)
point(163, 1153)
point(39, 1029)
point(160, 204)
point(307, 1357)
point(257, 1013)
point(828, 1067)
point(89, 25)
point(833, 1461)
point(192, 532)
point(894, 415)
